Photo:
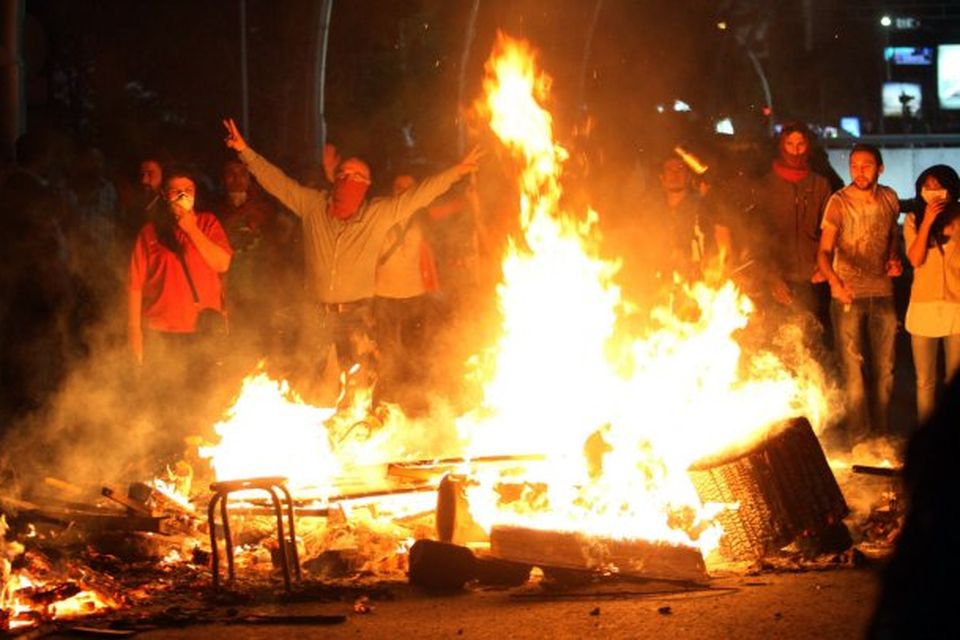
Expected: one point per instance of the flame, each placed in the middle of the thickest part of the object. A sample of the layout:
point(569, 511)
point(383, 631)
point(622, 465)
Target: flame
point(270, 431)
point(563, 378)
point(615, 417)
point(18, 610)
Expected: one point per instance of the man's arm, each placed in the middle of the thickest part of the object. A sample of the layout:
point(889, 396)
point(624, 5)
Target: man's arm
point(291, 193)
point(917, 245)
point(135, 324)
point(422, 194)
point(135, 299)
point(212, 252)
point(828, 243)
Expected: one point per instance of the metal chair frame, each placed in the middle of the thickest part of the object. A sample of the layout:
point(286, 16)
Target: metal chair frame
point(221, 492)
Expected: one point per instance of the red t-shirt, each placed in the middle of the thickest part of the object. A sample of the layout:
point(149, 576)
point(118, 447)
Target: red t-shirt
point(156, 271)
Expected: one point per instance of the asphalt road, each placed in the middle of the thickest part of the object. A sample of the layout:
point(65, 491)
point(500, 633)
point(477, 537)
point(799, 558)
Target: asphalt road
point(835, 603)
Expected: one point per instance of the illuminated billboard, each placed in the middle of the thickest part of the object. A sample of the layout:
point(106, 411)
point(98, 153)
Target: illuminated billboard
point(901, 98)
point(948, 76)
point(909, 56)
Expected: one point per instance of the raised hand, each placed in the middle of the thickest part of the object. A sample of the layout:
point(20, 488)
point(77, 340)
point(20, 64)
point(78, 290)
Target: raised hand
point(331, 160)
point(234, 139)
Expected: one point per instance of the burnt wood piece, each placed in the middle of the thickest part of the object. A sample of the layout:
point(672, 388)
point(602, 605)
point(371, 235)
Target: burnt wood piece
point(886, 472)
point(133, 506)
point(92, 520)
point(438, 566)
point(454, 522)
point(578, 551)
point(785, 490)
point(501, 573)
point(427, 470)
point(163, 502)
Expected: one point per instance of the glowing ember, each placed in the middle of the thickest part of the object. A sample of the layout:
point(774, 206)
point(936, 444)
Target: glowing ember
point(26, 600)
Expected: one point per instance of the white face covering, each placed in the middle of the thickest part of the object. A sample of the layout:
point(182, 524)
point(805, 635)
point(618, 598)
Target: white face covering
point(237, 198)
point(933, 195)
point(184, 200)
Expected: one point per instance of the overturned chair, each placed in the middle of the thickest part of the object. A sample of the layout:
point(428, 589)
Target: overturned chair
point(275, 487)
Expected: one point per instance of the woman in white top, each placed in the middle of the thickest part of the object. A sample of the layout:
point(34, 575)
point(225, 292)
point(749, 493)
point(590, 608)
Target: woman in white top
point(933, 248)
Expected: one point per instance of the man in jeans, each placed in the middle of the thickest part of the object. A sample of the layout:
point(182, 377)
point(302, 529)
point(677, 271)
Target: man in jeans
point(858, 255)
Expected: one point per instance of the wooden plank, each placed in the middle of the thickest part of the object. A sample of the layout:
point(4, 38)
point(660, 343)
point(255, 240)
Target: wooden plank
point(131, 504)
point(578, 551)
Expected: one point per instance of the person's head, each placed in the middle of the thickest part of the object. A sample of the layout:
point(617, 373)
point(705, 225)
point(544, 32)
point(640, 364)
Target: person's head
point(794, 145)
point(236, 181)
point(151, 175)
point(674, 175)
point(350, 186)
point(180, 189)
point(866, 165)
point(402, 183)
point(939, 182)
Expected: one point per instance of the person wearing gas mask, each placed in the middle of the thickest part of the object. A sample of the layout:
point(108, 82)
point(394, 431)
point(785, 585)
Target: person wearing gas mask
point(932, 238)
point(175, 272)
point(343, 235)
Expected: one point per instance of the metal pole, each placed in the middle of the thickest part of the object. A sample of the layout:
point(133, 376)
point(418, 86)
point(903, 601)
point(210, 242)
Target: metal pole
point(12, 102)
point(244, 88)
point(763, 83)
point(319, 80)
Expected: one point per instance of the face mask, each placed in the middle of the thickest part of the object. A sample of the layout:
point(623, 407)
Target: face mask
point(183, 200)
point(933, 195)
point(347, 196)
point(237, 198)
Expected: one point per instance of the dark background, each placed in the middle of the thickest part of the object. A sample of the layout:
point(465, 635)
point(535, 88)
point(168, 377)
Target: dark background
point(138, 77)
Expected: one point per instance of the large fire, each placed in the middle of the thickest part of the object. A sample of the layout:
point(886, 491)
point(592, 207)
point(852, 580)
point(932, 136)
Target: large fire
point(617, 418)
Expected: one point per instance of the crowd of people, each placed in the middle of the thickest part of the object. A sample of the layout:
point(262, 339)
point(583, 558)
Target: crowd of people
point(265, 264)
point(823, 256)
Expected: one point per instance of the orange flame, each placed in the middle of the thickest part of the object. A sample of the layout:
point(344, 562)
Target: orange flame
point(561, 376)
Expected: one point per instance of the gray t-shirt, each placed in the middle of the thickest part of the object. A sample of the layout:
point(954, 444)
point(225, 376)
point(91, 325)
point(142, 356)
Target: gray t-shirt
point(866, 238)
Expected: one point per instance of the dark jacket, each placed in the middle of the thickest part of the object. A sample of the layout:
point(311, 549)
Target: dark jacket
point(790, 215)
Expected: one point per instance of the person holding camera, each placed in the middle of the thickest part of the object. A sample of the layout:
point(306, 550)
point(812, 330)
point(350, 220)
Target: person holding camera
point(933, 248)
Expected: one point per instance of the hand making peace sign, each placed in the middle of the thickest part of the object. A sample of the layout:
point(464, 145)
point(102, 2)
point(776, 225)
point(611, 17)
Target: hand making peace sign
point(234, 140)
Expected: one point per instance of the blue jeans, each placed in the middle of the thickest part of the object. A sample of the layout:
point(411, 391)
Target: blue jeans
point(925, 352)
point(878, 319)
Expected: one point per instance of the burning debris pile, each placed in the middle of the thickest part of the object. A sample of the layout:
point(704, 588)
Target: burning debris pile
point(593, 451)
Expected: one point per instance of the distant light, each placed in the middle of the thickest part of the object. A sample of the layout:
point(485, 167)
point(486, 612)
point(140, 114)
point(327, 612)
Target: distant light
point(722, 25)
point(850, 124)
point(660, 108)
point(886, 21)
point(766, 111)
point(724, 126)
point(680, 105)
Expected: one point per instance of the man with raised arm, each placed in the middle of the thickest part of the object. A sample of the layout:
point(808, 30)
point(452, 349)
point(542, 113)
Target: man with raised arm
point(343, 236)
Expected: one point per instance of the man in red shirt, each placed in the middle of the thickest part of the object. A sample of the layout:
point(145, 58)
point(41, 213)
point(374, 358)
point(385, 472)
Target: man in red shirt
point(176, 267)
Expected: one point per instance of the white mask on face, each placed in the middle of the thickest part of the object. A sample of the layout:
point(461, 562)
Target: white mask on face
point(184, 200)
point(237, 198)
point(933, 195)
